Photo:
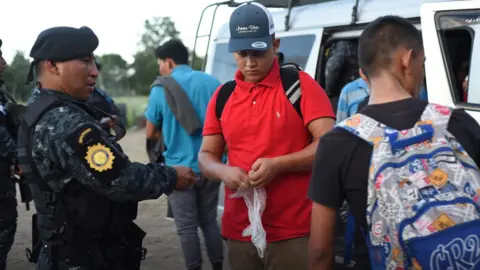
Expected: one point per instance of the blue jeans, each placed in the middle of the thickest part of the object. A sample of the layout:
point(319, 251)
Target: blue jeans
point(193, 208)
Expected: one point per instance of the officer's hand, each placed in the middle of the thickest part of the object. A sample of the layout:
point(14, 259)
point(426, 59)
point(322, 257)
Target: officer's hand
point(108, 122)
point(185, 177)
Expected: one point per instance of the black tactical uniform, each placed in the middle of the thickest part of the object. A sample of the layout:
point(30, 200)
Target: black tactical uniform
point(8, 201)
point(84, 187)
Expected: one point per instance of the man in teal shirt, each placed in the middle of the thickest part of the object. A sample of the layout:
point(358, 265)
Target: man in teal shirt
point(196, 207)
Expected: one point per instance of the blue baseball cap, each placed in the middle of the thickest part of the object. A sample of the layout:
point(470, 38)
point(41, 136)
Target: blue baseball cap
point(251, 28)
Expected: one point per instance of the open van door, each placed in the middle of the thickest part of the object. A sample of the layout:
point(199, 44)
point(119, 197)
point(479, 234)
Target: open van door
point(451, 38)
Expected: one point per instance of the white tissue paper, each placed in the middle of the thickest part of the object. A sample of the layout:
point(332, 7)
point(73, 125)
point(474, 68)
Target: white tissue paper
point(255, 199)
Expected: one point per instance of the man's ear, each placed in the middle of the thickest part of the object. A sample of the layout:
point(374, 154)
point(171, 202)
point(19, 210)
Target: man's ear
point(407, 59)
point(275, 45)
point(50, 66)
point(362, 75)
point(171, 64)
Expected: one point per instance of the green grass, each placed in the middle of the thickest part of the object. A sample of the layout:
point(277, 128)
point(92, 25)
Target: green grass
point(136, 106)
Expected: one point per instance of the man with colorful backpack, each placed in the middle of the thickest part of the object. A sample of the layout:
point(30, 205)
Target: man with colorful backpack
point(407, 168)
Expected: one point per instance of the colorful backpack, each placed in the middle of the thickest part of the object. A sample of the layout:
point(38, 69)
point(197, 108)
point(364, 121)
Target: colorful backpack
point(423, 207)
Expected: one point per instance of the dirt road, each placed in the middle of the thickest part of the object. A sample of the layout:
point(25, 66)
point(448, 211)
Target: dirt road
point(161, 241)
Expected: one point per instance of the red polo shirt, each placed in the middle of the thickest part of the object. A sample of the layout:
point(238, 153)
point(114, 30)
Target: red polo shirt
point(258, 121)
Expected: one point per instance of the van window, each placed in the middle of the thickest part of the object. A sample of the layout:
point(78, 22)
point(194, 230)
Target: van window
point(459, 32)
point(223, 66)
point(295, 49)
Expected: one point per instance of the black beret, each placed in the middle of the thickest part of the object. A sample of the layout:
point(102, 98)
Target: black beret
point(64, 44)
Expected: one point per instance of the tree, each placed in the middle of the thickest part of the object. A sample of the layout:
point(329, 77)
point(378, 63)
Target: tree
point(157, 31)
point(16, 75)
point(146, 70)
point(198, 64)
point(113, 74)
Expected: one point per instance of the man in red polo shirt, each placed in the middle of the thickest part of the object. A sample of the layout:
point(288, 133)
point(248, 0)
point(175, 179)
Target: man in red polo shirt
point(269, 145)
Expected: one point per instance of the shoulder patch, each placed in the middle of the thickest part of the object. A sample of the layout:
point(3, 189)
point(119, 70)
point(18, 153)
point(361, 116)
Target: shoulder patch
point(97, 154)
point(82, 135)
point(100, 157)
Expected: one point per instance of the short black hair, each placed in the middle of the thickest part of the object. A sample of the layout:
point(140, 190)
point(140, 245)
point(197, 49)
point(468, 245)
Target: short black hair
point(173, 49)
point(381, 38)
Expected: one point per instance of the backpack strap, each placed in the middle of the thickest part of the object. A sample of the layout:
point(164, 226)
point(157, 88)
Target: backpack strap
point(289, 74)
point(35, 110)
point(180, 105)
point(223, 95)
point(374, 132)
point(433, 122)
point(290, 82)
point(156, 82)
point(364, 127)
point(437, 116)
point(349, 239)
point(30, 115)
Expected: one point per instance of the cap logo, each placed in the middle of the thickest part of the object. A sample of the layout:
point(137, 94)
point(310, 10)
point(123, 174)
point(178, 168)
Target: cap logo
point(247, 29)
point(259, 45)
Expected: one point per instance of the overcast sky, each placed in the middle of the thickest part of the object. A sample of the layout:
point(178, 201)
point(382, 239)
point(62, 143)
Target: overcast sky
point(118, 24)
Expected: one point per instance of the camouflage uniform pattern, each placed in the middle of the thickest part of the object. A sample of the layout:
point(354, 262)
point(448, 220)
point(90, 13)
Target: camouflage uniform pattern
point(8, 201)
point(136, 181)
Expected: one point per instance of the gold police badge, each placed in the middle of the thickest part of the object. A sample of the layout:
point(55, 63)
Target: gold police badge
point(100, 157)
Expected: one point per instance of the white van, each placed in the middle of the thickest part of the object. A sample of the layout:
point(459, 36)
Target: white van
point(307, 29)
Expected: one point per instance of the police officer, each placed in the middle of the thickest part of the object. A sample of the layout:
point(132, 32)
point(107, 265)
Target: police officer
point(101, 100)
point(8, 201)
point(84, 187)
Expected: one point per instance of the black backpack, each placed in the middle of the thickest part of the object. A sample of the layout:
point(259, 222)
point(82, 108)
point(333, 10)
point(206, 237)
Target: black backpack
point(291, 86)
